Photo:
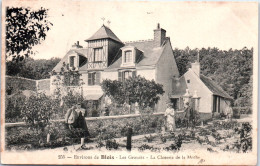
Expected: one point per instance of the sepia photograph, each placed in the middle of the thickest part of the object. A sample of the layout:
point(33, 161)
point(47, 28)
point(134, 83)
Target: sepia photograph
point(120, 82)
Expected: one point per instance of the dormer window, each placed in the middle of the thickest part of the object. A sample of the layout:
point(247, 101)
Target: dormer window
point(76, 60)
point(128, 56)
point(72, 61)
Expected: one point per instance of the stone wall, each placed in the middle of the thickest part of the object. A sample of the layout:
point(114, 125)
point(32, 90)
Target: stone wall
point(43, 84)
point(13, 84)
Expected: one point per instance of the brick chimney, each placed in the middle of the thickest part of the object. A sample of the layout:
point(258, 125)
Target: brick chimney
point(159, 36)
point(195, 67)
point(76, 45)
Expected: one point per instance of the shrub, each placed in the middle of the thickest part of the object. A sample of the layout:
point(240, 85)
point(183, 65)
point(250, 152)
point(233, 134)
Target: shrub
point(18, 136)
point(177, 143)
point(13, 107)
point(111, 144)
point(225, 125)
point(144, 147)
point(71, 99)
point(135, 89)
point(39, 109)
point(149, 138)
point(242, 110)
point(163, 138)
point(37, 112)
point(245, 142)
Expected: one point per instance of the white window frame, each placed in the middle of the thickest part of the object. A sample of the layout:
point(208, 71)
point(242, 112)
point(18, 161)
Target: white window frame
point(99, 55)
point(76, 61)
point(124, 51)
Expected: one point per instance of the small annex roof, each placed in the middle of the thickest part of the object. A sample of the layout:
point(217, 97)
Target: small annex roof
point(213, 87)
point(150, 54)
point(104, 33)
point(180, 86)
point(80, 51)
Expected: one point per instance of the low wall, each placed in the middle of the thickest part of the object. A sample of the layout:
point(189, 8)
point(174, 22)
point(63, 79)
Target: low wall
point(180, 114)
point(43, 85)
point(205, 116)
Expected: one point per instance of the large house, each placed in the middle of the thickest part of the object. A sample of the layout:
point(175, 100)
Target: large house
point(107, 57)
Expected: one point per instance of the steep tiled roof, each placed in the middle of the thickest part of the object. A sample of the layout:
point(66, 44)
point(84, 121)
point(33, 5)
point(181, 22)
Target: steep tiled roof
point(104, 33)
point(150, 54)
point(213, 87)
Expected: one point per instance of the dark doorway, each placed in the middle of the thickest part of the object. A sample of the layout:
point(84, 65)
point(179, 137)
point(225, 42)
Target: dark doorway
point(175, 103)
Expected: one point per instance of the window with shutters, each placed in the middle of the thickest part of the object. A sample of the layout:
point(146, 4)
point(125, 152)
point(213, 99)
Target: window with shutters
point(127, 74)
point(123, 75)
point(98, 54)
point(94, 78)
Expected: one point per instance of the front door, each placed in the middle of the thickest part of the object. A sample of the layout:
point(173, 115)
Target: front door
point(216, 103)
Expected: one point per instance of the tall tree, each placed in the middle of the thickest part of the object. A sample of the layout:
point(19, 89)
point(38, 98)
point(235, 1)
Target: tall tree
point(230, 69)
point(25, 28)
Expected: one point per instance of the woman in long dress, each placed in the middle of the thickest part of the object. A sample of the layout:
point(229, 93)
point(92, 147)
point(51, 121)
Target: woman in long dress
point(170, 118)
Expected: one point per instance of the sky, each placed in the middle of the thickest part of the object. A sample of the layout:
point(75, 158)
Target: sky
point(188, 24)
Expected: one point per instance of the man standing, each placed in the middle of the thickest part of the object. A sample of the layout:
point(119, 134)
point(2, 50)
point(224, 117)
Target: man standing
point(229, 112)
point(188, 114)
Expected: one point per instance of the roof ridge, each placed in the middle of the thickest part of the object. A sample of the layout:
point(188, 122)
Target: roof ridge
point(138, 41)
point(104, 32)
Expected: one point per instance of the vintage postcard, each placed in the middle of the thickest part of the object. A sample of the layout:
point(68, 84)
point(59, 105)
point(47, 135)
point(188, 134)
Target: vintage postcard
point(120, 82)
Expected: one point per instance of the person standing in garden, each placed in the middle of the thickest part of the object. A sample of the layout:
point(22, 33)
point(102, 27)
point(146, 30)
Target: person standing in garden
point(75, 119)
point(188, 115)
point(229, 112)
point(71, 117)
point(81, 122)
point(170, 118)
point(106, 113)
